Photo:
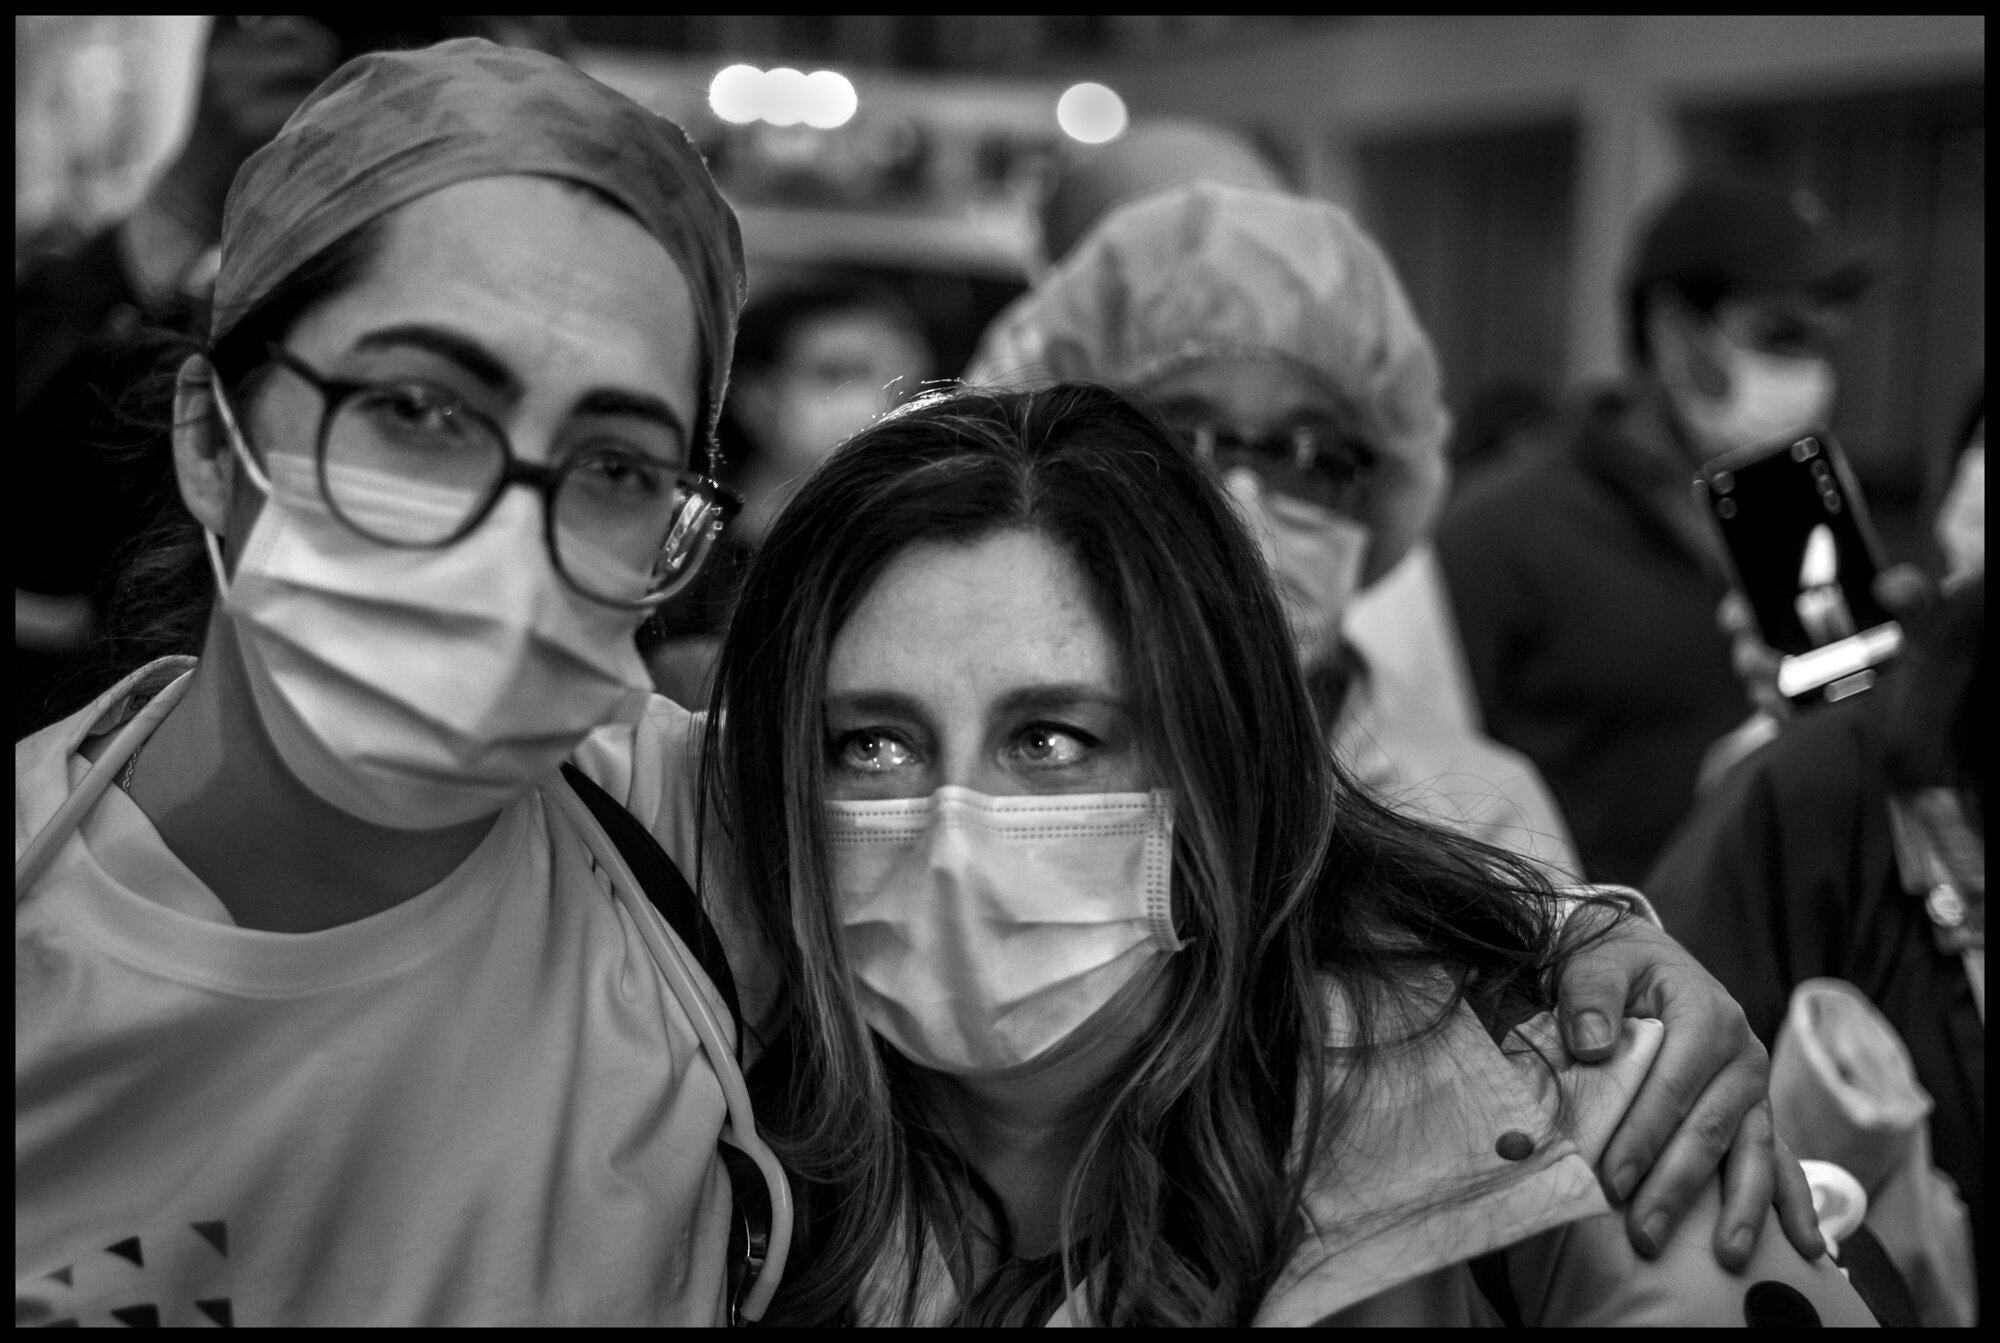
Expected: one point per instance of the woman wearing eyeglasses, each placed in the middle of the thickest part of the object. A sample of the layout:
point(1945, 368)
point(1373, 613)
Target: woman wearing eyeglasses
point(333, 1003)
point(1110, 998)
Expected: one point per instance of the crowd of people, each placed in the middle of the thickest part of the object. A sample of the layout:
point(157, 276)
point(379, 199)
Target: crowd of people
point(547, 795)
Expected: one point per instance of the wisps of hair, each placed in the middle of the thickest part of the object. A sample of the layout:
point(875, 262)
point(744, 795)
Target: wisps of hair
point(1286, 876)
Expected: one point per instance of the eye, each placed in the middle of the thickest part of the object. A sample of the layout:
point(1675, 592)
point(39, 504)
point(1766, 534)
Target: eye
point(620, 472)
point(414, 412)
point(1048, 745)
point(871, 751)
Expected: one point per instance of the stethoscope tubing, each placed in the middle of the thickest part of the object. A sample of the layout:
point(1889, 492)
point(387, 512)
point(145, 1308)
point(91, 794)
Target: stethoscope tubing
point(662, 943)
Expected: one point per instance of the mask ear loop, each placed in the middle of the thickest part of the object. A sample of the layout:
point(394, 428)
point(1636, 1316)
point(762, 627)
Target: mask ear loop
point(239, 446)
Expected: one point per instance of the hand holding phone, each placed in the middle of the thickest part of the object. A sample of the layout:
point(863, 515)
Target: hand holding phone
point(1805, 559)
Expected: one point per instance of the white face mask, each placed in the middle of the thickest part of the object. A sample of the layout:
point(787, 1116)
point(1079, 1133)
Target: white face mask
point(1769, 396)
point(983, 932)
point(1314, 553)
point(418, 689)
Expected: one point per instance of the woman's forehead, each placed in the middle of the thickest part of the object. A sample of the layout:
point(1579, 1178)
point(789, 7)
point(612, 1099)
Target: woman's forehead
point(1245, 388)
point(551, 279)
point(965, 624)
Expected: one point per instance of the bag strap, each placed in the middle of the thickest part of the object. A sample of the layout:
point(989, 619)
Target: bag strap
point(669, 892)
point(666, 889)
point(1489, 1275)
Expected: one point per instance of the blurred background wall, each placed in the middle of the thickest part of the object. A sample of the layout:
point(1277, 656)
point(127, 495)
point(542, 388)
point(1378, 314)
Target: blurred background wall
point(1502, 160)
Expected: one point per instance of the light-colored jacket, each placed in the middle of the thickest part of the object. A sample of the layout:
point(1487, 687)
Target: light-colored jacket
point(1461, 1148)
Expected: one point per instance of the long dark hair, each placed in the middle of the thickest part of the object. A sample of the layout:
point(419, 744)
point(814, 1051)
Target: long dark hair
point(162, 598)
point(1286, 872)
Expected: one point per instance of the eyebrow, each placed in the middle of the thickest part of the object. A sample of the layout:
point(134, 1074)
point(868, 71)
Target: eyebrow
point(467, 353)
point(491, 370)
point(1026, 699)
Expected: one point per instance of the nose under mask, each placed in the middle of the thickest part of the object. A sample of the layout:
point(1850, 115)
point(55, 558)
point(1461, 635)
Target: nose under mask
point(1315, 554)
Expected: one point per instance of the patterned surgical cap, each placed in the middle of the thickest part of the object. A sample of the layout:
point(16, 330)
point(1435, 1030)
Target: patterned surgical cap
point(389, 127)
point(1205, 270)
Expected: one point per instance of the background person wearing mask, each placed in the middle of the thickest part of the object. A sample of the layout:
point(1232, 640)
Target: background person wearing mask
point(1585, 585)
point(1272, 332)
point(817, 358)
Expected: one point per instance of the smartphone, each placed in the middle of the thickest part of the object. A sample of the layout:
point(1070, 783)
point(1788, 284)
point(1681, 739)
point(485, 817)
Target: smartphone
point(1804, 555)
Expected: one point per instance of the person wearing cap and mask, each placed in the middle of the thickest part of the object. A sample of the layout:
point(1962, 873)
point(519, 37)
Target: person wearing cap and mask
point(1585, 585)
point(337, 1002)
point(1271, 331)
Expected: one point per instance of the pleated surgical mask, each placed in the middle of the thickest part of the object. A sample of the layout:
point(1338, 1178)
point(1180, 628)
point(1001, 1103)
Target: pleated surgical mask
point(417, 689)
point(984, 932)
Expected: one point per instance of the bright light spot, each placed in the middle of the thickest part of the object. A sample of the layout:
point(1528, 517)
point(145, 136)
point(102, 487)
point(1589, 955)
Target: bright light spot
point(737, 94)
point(829, 100)
point(785, 96)
point(1091, 113)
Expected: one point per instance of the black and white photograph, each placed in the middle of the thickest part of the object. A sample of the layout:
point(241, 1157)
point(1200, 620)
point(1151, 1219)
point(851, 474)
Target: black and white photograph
point(999, 670)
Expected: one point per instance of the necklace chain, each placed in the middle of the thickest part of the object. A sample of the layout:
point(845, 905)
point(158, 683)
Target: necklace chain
point(125, 775)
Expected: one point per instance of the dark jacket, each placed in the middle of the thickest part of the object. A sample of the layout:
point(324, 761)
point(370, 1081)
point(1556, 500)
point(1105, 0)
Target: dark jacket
point(1788, 872)
point(1585, 586)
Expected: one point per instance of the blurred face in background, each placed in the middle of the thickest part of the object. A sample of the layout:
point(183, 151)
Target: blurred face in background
point(1298, 473)
point(836, 371)
point(1758, 367)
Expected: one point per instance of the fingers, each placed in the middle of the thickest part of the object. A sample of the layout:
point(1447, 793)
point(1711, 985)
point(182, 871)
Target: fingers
point(1755, 662)
point(1906, 591)
point(1692, 1153)
point(1592, 992)
point(1710, 1073)
point(1749, 1175)
point(1794, 1199)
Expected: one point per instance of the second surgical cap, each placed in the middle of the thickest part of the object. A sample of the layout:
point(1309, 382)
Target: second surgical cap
point(1206, 270)
point(389, 127)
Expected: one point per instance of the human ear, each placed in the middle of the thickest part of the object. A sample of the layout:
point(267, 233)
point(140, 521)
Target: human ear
point(203, 462)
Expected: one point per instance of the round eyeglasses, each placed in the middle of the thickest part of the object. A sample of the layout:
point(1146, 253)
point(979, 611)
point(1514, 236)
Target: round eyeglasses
point(406, 463)
point(1316, 463)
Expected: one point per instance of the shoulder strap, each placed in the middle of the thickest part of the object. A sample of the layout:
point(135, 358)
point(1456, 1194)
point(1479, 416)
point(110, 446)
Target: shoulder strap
point(1489, 1275)
point(665, 887)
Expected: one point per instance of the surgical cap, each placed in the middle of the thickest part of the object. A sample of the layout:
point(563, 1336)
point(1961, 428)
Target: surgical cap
point(1205, 270)
point(389, 127)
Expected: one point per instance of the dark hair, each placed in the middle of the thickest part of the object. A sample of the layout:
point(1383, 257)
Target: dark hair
point(1287, 874)
point(1937, 700)
point(164, 594)
point(1703, 294)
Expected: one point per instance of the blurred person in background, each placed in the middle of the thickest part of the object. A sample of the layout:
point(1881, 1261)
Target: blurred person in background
point(1272, 332)
point(1852, 848)
point(85, 483)
point(1503, 422)
point(1585, 585)
point(817, 358)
